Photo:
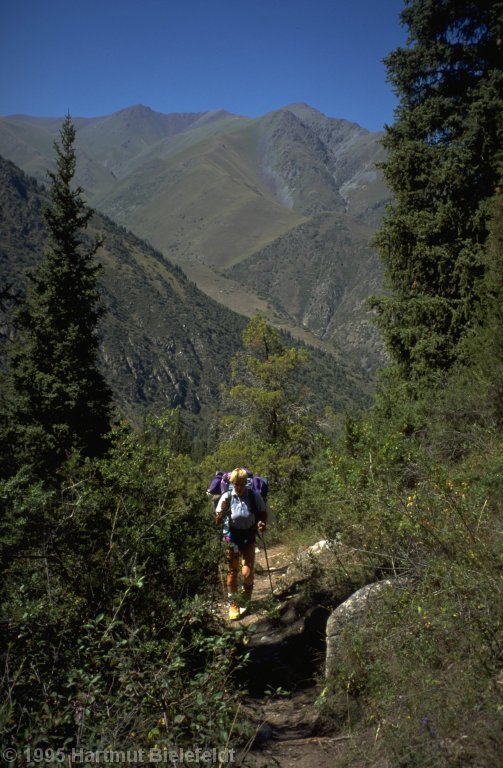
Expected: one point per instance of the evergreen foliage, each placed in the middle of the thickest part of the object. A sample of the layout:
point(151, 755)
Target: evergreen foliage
point(444, 163)
point(485, 346)
point(412, 490)
point(412, 493)
point(59, 398)
point(267, 424)
point(260, 376)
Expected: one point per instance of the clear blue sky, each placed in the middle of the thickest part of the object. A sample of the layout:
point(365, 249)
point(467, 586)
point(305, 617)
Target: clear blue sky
point(93, 57)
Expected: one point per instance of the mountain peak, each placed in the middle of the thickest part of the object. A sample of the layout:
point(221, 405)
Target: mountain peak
point(135, 109)
point(302, 107)
point(309, 114)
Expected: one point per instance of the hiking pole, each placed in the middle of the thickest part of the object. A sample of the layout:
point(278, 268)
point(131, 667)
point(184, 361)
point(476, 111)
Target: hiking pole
point(262, 538)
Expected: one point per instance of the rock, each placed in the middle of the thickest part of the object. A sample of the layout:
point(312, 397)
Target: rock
point(351, 611)
point(307, 561)
point(263, 735)
point(318, 547)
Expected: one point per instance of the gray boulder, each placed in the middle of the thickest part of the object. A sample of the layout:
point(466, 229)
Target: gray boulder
point(351, 611)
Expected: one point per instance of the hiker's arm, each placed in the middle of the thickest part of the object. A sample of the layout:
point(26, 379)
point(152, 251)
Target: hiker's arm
point(222, 507)
point(261, 514)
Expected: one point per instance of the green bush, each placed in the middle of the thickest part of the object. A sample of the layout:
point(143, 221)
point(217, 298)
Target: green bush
point(109, 630)
point(424, 667)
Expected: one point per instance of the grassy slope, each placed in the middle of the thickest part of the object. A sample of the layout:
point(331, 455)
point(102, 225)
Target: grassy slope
point(319, 275)
point(202, 203)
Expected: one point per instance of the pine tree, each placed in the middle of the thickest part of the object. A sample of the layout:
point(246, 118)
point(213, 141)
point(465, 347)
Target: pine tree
point(444, 162)
point(262, 383)
point(59, 400)
point(268, 425)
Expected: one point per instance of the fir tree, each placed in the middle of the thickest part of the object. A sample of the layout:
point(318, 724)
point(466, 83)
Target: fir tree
point(59, 400)
point(268, 425)
point(444, 161)
point(262, 383)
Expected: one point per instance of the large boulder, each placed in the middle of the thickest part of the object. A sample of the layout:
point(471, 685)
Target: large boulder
point(351, 611)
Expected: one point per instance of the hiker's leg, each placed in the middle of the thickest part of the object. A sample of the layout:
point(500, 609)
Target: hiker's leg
point(248, 555)
point(232, 559)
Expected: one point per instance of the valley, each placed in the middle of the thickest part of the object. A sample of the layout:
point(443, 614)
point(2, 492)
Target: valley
point(272, 215)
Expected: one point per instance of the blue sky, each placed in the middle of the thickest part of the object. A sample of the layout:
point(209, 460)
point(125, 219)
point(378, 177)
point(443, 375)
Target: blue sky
point(94, 57)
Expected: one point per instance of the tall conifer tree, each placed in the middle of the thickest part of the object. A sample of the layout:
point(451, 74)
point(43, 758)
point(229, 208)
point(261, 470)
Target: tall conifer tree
point(59, 399)
point(444, 162)
point(268, 424)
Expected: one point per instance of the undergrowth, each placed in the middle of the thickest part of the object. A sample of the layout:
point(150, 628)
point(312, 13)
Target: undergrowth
point(423, 667)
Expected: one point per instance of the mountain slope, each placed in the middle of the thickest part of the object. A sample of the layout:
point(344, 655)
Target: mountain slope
point(204, 203)
point(216, 193)
point(319, 275)
point(104, 144)
point(164, 342)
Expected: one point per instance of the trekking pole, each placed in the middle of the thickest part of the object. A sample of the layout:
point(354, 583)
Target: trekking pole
point(222, 579)
point(262, 538)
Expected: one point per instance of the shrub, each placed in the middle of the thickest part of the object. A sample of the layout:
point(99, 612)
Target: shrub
point(109, 633)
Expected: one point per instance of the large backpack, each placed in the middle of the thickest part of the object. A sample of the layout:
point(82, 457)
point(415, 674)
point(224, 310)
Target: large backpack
point(221, 484)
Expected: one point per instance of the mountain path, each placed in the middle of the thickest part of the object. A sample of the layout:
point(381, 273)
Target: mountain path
point(284, 676)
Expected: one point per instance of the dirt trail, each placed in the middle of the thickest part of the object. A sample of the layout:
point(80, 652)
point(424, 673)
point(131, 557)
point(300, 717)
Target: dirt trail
point(283, 676)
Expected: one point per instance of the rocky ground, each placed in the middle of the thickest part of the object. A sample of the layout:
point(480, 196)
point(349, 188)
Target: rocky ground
point(284, 678)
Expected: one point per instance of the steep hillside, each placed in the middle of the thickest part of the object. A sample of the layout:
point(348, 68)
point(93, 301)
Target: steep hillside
point(216, 193)
point(202, 203)
point(351, 155)
point(165, 342)
point(319, 275)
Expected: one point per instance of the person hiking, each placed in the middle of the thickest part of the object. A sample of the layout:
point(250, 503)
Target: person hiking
point(243, 512)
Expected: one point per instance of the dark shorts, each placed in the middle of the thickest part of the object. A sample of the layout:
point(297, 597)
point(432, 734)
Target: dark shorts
point(242, 539)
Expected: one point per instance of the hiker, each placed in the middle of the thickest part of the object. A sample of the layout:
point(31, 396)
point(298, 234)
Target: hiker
point(243, 512)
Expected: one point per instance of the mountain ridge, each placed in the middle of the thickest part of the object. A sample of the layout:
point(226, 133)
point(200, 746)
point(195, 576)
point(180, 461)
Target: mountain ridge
point(211, 190)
